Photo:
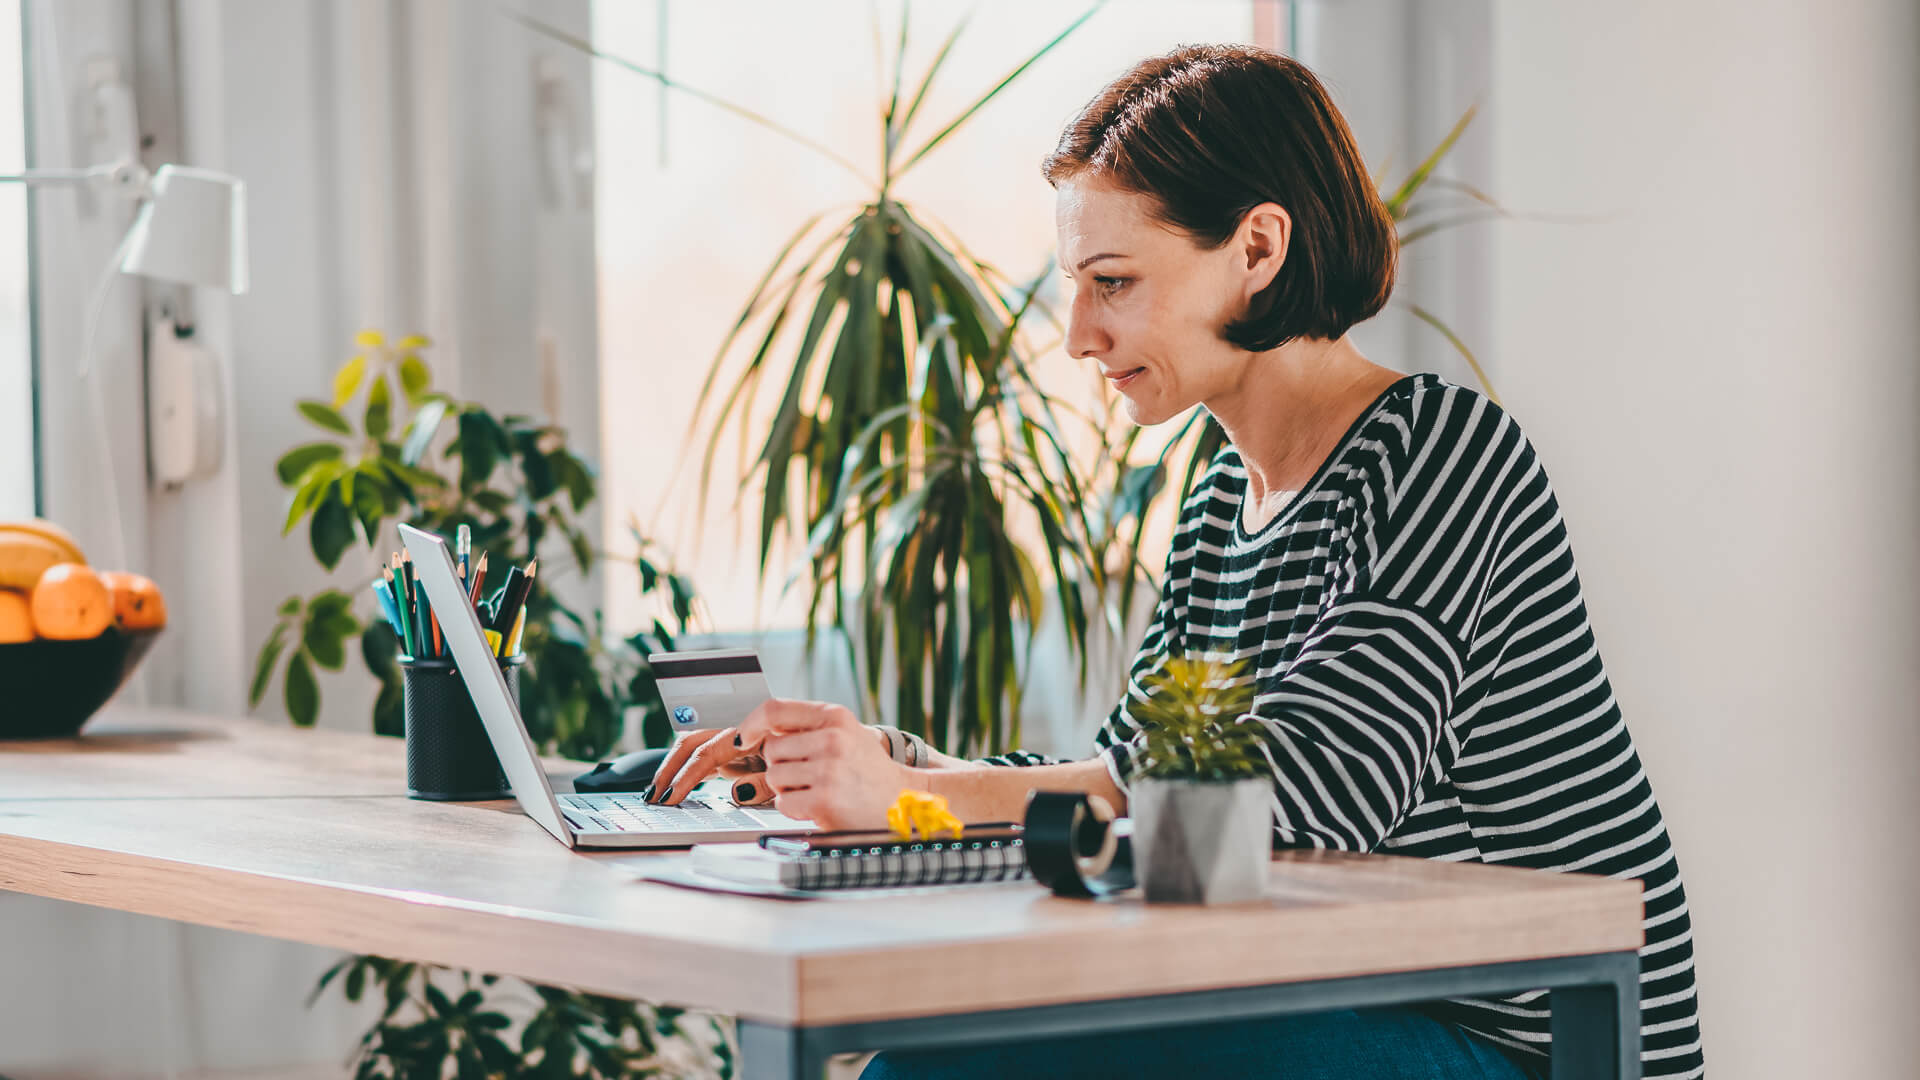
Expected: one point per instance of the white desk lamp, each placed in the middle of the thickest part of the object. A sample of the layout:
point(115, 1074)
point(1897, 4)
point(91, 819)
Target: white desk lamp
point(190, 229)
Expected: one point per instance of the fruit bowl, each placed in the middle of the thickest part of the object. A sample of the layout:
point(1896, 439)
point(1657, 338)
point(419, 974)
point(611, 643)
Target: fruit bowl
point(48, 689)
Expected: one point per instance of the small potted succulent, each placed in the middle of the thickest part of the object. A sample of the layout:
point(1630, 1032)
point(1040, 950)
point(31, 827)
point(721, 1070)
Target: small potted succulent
point(1202, 799)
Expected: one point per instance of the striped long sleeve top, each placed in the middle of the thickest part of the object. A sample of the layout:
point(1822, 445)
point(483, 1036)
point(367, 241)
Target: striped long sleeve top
point(1427, 680)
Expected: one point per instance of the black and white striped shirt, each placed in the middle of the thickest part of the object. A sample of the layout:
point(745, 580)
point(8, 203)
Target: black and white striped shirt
point(1428, 681)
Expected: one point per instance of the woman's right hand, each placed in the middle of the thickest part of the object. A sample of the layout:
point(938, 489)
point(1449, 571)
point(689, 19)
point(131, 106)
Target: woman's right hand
point(700, 754)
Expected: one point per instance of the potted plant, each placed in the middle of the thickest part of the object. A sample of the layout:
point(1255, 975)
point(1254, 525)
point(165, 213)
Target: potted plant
point(1201, 801)
point(389, 447)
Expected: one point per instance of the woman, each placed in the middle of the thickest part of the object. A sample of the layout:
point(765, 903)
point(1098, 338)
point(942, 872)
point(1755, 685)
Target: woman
point(1384, 548)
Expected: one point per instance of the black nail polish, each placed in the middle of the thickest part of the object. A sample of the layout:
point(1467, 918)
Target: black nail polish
point(736, 739)
point(743, 792)
point(647, 795)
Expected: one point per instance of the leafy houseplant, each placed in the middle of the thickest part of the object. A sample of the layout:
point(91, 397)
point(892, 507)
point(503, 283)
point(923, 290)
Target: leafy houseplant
point(517, 485)
point(427, 1023)
point(1202, 823)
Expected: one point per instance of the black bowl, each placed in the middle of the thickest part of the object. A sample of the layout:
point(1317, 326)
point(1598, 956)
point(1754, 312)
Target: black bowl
point(49, 688)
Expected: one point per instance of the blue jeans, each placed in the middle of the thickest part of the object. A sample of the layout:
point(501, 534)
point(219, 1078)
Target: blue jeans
point(1374, 1044)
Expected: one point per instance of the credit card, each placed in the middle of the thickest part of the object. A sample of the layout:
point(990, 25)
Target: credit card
point(710, 688)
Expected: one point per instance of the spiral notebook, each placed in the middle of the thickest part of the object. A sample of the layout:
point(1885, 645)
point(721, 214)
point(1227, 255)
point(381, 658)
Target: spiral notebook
point(801, 868)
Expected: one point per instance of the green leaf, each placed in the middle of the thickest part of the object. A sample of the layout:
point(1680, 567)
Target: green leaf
point(314, 483)
point(493, 502)
point(301, 458)
point(389, 709)
point(263, 667)
point(482, 445)
point(379, 408)
point(926, 82)
point(744, 113)
point(303, 704)
point(1397, 202)
point(325, 416)
point(928, 147)
point(331, 531)
point(414, 377)
point(1453, 339)
point(370, 497)
point(326, 642)
point(421, 430)
point(381, 650)
point(290, 606)
point(347, 380)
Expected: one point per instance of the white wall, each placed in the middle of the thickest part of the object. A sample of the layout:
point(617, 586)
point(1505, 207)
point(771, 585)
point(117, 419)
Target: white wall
point(1721, 378)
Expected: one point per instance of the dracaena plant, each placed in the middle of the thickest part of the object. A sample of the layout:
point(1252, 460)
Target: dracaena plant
point(1191, 721)
point(378, 458)
point(908, 449)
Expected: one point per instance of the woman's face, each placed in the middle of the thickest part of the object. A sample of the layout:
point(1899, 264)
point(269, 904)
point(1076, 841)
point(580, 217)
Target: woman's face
point(1149, 303)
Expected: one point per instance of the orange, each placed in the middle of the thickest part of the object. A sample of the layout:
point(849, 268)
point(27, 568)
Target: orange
point(16, 618)
point(71, 603)
point(137, 603)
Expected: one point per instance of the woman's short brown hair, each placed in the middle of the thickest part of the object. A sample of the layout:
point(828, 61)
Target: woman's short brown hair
point(1211, 131)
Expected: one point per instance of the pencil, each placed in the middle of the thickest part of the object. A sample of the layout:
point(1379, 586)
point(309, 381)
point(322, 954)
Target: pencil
point(515, 601)
point(418, 593)
point(479, 579)
point(513, 638)
point(463, 545)
point(403, 605)
point(385, 601)
point(498, 617)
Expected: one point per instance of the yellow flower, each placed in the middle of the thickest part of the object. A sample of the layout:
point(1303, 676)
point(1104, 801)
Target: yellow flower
point(922, 811)
point(413, 341)
point(369, 339)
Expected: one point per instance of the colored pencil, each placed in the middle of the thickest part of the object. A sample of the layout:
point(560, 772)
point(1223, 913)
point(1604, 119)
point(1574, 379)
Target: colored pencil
point(513, 637)
point(387, 611)
point(513, 606)
point(403, 603)
point(498, 618)
point(479, 579)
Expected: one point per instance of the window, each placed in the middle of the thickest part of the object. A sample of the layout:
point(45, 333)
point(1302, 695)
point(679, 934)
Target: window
point(17, 465)
point(693, 203)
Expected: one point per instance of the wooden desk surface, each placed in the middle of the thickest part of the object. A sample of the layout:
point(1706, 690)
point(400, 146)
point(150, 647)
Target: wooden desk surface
point(308, 836)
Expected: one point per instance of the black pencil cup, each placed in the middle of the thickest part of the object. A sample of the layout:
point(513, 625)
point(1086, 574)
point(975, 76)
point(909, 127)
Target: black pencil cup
point(449, 757)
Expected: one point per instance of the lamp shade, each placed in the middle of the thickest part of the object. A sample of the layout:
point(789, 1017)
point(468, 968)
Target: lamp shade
point(192, 229)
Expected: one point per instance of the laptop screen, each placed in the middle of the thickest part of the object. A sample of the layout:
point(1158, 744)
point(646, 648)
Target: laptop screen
point(433, 563)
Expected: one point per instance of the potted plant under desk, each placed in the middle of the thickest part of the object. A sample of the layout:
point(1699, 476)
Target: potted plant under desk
point(1201, 801)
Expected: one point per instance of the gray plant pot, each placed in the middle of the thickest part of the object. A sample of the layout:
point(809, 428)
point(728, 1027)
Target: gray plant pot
point(1202, 841)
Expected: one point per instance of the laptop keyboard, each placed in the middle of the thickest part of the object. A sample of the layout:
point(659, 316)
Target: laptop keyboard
point(630, 813)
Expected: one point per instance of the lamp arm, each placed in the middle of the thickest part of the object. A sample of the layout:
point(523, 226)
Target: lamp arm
point(43, 177)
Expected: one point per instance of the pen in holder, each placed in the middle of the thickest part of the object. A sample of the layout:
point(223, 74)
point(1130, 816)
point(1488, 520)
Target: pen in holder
point(449, 757)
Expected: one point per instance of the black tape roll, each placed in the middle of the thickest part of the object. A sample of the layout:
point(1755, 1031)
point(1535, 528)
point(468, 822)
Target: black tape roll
point(1074, 846)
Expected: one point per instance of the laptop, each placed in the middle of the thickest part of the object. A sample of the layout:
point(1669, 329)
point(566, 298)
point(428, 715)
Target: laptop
point(577, 820)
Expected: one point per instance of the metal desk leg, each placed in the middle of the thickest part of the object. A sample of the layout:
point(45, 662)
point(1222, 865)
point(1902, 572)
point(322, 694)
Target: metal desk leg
point(772, 1052)
point(1596, 1029)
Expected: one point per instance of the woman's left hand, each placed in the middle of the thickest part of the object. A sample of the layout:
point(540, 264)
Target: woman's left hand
point(824, 765)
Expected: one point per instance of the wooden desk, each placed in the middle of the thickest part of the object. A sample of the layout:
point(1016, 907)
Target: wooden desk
point(308, 836)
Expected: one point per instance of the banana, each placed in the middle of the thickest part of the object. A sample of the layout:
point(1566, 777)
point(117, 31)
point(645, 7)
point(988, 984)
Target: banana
point(50, 532)
point(24, 557)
